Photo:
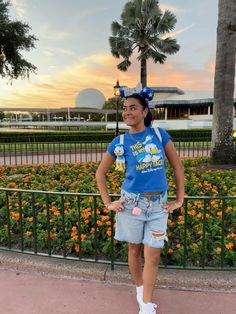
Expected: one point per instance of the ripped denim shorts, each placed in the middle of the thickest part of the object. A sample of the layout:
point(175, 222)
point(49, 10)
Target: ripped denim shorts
point(144, 220)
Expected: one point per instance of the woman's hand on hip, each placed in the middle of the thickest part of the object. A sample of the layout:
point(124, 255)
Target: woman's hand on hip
point(171, 206)
point(117, 206)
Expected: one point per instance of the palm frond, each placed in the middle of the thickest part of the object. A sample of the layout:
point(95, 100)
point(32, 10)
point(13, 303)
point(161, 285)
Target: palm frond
point(123, 66)
point(169, 46)
point(121, 46)
point(166, 23)
point(150, 10)
point(157, 56)
point(131, 13)
point(115, 28)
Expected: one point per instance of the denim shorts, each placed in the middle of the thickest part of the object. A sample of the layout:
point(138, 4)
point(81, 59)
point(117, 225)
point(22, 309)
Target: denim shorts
point(149, 227)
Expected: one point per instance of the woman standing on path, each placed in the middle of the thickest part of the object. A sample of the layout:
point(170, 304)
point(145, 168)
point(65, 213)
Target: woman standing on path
point(142, 211)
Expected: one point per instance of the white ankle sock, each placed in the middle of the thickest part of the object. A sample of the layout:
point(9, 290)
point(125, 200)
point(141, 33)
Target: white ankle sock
point(139, 291)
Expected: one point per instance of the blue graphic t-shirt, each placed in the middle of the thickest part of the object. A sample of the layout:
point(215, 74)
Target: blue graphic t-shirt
point(144, 160)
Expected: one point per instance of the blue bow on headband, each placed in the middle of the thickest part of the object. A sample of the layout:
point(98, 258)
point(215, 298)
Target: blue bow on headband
point(146, 93)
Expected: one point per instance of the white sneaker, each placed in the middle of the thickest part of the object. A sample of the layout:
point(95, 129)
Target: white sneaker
point(148, 308)
point(140, 301)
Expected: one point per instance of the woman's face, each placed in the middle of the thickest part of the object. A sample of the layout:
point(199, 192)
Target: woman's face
point(133, 112)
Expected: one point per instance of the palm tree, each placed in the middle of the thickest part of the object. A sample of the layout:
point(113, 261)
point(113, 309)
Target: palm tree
point(222, 150)
point(143, 28)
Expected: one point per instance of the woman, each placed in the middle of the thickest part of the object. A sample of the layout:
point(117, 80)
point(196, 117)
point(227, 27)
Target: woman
point(142, 210)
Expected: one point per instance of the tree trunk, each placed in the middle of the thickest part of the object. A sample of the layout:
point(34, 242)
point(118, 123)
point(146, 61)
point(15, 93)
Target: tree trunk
point(222, 150)
point(143, 72)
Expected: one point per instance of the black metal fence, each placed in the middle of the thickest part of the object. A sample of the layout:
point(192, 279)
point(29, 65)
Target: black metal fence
point(71, 152)
point(77, 226)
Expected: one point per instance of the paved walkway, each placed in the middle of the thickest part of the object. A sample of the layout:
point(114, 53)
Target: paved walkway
point(25, 293)
point(47, 286)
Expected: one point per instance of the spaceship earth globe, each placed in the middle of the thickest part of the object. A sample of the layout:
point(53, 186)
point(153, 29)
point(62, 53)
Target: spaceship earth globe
point(90, 98)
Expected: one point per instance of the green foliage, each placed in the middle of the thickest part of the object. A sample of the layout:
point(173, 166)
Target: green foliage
point(14, 38)
point(56, 136)
point(94, 136)
point(111, 103)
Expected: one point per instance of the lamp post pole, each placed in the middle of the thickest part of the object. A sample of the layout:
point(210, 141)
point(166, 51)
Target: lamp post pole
point(117, 94)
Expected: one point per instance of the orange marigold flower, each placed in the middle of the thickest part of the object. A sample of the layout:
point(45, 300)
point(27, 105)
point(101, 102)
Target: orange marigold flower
point(15, 215)
point(99, 223)
point(28, 233)
point(83, 237)
point(108, 233)
point(76, 248)
point(30, 219)
point(177, 245)
point(90, 199)
point(231, 236)
point(104, 218)
point(218, 249)
point(192, 212)
point(229, 245)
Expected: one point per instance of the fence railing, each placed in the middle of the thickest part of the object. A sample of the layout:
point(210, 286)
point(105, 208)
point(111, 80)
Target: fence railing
point(71, 152)
point(77, 226)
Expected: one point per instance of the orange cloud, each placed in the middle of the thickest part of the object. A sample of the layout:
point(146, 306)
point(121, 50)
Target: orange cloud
point(99, 71)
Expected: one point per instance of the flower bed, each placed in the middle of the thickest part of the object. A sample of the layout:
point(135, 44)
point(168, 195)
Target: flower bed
point(82, 226)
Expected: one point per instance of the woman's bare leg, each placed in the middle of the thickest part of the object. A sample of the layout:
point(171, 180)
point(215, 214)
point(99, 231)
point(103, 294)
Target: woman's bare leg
point(135, 263)
point(151, 263)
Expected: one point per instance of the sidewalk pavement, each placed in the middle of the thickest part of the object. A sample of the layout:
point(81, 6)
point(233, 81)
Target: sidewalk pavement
point(36, 285)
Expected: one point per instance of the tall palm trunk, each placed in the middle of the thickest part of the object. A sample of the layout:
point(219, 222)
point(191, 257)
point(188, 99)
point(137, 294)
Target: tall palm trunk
point(222, 150)
point(143, 72)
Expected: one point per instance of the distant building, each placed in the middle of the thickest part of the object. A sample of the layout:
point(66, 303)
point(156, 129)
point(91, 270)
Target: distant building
point(172, 103)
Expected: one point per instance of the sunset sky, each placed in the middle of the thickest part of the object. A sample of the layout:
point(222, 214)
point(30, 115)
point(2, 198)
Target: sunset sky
point(73, 53)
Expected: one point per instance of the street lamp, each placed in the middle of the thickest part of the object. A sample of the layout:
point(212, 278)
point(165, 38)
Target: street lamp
point(117, 94)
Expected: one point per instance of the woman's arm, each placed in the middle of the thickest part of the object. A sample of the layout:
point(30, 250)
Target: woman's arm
point(101, 172)
point(176, 164)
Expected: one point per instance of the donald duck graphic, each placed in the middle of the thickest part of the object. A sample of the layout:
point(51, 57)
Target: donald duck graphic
point(151, 153)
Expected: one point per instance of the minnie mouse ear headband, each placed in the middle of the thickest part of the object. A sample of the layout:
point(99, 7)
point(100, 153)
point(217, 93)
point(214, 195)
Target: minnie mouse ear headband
point(146, 93)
